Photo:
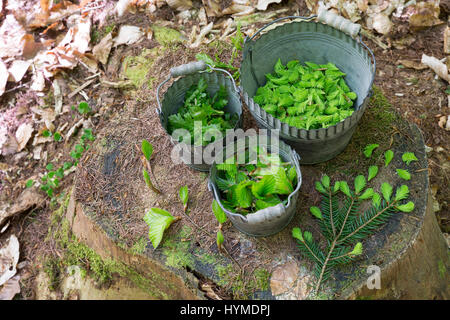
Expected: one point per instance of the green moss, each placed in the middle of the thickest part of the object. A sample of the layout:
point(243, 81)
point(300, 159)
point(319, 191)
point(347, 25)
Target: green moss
point(242, 287)
point(140, 246)
point(166, 36)
point(442, 269)
point(177, 252)
point(262, 279)
point(376, 126)
point(103, 270)
point(136, 68)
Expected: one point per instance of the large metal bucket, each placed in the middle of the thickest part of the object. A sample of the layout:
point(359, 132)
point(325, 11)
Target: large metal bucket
point(336, 41)
point(173, 99)
point(271, 220)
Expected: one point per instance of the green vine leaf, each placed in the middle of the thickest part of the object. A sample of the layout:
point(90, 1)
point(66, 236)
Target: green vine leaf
point(319, 187)
point(367, 194)
point(357, 250)
point(297, 234)
point(369, 149)
point(388, 156)
point(184, 196)
point(373, 171)
point(264, 187)
point(408, 157)
point(336, 186)
point(386, 190)
point(315, 211)
point(326, 181)
point(408, 207)
point(147, 149)
point(360, 183)
point(404, 174)
point(158, 221)
point(376, 200)
point(401, 193)
point(343, 186)
point(218, 212)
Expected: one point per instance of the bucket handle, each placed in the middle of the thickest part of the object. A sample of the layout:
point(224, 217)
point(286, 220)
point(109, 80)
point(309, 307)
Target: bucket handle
point(324, 16)
point(186, 69)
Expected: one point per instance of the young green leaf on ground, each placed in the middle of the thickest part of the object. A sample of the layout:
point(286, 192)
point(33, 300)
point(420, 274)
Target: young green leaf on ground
point(184, 196)
point(158, 221)
point(369, 149)
point(408, 157)
point(404, 174)
point(388, 156)
point(373, 170)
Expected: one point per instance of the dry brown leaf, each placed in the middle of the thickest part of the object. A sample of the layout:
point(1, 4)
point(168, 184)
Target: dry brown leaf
point(9, 257)
point(103, 48)
point(180, 5)
point(23, 135)
point(426, 14)
point(10, 288)
point(437, 66)
point(412, 64)
point(18, 69)
point(213, 8)
point(11, 33)
point(381, 23)
point(28, 198)
point(128, 35)
point(447, 40)
point(3, 77)
point(210, 292)
point(263, 4)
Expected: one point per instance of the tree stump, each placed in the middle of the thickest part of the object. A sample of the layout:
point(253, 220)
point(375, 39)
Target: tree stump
point(110, 198)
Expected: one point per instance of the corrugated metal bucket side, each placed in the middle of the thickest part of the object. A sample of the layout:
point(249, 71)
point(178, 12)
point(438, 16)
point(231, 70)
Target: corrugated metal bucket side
point(267, 221)
point(173, 99)
point(318, 43)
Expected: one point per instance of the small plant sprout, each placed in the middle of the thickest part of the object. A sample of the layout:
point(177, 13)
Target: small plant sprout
point(57, 136)
point(404, 174)
point(388, 156)
point(221, 218)
point(184, 197)
point(83, 108)
point(158, 221)
point(408, 157)
point(147, 151)
point(373, 170)
point(369, 149)
point(29, 183)
point(220, 239)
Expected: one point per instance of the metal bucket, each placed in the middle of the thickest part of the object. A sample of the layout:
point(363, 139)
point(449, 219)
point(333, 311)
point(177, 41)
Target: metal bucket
point(173, 99)
point(336, 41)
point(270, 220)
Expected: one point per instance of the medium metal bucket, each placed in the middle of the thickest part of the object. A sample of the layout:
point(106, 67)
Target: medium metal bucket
point(270, 220)
point(336, 41)
point(173, 99)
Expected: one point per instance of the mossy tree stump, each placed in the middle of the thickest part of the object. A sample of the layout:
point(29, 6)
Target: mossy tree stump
point(110, 198)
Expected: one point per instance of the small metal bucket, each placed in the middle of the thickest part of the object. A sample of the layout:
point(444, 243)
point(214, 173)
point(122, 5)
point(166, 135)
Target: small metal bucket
point(173, 99)
point(335, 41)
point(270, 220)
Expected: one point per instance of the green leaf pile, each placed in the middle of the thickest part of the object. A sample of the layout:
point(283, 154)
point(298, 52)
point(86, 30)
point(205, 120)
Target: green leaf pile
point(199, 106)
point(250, 187)
point(309, 96)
